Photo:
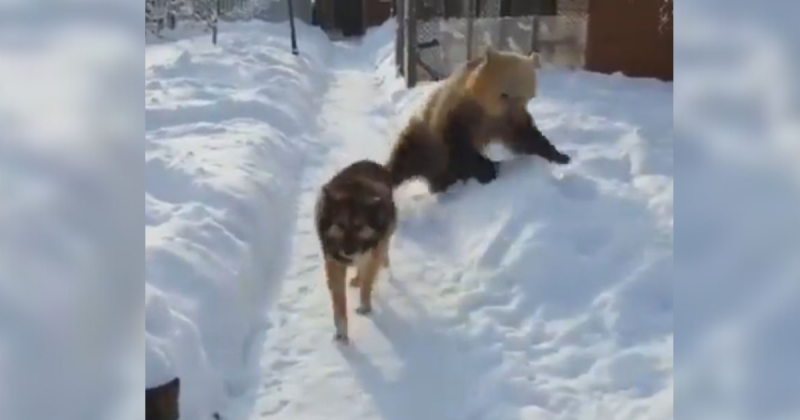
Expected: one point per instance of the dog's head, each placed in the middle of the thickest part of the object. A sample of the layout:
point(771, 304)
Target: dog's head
point(353, 218)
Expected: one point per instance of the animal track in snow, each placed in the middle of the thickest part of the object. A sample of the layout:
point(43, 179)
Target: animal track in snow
point(576, 187)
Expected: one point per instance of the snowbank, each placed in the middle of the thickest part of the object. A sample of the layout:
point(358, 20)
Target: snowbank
point(227, 140)
point(70, 239)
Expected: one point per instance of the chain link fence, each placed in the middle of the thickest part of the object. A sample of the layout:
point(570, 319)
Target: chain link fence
point(161, 14)
point(434, 37)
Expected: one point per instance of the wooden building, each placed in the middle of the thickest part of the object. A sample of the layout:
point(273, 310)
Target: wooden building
point(351, 17)
point(631, 37)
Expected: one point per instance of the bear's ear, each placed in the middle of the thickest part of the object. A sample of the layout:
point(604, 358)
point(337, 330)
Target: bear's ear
point(536, 60)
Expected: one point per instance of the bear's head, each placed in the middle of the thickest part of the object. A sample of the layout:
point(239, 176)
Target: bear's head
point(504, 81)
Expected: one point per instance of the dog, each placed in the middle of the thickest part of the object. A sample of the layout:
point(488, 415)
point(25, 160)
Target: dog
point(355, 219)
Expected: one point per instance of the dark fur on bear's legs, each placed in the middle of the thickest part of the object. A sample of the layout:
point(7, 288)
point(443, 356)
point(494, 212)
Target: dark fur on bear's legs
point(462, 166)
point(464, 160)
point(525, 138)
point(419, 153)
point(441, 182)
point(473, 164)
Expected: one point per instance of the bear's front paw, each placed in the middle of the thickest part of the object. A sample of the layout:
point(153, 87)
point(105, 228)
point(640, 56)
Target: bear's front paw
point(561, 158)
point(486, 172)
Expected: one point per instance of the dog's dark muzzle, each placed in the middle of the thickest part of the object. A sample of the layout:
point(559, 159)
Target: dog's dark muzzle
point(342, 259)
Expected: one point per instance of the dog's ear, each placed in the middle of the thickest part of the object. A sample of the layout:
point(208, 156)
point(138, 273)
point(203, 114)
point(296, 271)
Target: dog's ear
point(331, 194)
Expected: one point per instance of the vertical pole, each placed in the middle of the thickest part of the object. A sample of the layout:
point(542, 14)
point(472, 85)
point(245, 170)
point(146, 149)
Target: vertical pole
point(410, 63)
point(535, 34)
point(505, 20)
point(400, 16)
point(291, 25)
point(471, 6)
point(215, 22)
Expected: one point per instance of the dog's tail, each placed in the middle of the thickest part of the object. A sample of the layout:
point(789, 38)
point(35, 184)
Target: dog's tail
point(418, 153)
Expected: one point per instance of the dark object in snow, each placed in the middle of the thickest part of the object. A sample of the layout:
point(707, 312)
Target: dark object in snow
point(215, 23)
point(291, 24)
point(161, 402)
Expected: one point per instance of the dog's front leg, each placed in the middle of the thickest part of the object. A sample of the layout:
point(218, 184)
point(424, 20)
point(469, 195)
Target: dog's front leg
point(367, 273)
point(336, 274)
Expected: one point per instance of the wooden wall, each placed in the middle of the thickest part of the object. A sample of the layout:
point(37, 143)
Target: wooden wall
point(629, 37)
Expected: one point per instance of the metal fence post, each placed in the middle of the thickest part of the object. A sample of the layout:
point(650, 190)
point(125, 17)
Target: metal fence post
point(470, 13)
point(215, 29)
point(400, 37)
point(535, 34)
point(291, 25)
point(410, 63)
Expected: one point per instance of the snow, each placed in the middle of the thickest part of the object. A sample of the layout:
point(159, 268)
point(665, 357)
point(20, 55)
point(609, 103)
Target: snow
point(737, 148)
point(70, 254)
point(227, 141)
point(544, 295)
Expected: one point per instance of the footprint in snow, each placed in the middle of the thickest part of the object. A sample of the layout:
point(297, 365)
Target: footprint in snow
point(576, 187)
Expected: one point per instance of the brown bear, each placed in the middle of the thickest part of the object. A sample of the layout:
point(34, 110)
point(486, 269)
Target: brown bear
point(482, 101)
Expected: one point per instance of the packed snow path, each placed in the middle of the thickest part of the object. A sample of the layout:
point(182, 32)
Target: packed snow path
point(306, 374)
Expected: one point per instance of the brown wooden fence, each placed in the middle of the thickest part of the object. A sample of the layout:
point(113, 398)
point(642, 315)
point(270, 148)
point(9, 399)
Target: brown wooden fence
point(633, 37)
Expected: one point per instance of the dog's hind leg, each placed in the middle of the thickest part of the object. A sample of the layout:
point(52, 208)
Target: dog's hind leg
point(388, 240)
